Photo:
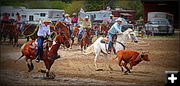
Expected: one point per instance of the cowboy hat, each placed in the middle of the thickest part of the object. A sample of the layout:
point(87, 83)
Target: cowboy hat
point(67, 15)
point(119, 19)
point(74, 14)
point(86, 17)
point(46, 20)
point(111, 15)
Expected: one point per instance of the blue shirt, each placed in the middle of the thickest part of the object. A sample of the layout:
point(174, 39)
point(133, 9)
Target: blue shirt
point(116, 28)
point(43, 30)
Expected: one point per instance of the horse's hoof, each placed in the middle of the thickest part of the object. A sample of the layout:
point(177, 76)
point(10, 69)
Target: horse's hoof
point(50, 75)
point(99, 69)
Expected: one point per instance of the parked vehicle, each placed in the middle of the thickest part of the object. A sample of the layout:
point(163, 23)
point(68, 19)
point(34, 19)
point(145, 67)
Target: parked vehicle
point(159, 26)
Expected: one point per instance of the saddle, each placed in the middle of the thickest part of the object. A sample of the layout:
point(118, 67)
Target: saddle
point(34, 45)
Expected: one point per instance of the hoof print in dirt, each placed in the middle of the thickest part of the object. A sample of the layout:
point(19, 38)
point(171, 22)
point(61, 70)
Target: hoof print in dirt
point(99, 69)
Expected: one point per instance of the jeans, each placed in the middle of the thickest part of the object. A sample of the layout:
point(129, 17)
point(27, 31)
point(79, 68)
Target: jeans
point(110, 40)
point(40, 46)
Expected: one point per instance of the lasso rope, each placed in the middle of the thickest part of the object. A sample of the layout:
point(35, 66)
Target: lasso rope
point(33, 32)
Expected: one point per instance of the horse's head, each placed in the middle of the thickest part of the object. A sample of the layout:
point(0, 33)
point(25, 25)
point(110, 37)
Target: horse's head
point(62, 28)
point(63, 39)
point(131, 35)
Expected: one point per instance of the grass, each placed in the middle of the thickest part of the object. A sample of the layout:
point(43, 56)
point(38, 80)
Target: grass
point(168, 36)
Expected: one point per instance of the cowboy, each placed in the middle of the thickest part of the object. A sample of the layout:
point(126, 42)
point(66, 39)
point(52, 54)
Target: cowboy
point(67, 21)
point(74, 19)
point(18, 21)
point(115, 29)
point(111, 20)
point(23, 22)
point(62, 18)
point(86, 24)
point(42, 33)
point(5, 18)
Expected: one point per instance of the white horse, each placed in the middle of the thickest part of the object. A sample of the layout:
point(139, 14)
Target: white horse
point(98, 46)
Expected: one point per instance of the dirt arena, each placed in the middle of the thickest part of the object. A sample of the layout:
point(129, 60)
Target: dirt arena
point(75, 68)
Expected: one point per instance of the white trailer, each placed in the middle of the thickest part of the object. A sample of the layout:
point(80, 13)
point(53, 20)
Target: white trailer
point(96, 15)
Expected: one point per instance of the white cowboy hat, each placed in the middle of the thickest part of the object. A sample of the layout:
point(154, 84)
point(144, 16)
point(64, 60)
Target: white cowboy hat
point(67, 15)
point(86, 17)
point(74, 14)
point(111, 15)
point(46, 20)
point(119, 19)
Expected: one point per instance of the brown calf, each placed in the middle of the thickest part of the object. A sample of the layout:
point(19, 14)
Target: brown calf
point(131, 57)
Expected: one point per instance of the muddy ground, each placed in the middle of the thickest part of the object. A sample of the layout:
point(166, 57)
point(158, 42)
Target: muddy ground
point(75, 68)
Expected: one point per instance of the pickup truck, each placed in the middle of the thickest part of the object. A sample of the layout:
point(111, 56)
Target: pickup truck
point(159, 26)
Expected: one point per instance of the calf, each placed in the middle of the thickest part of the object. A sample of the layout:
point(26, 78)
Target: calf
point(131, 57)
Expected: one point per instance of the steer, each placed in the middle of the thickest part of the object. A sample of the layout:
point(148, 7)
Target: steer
point(131, 57)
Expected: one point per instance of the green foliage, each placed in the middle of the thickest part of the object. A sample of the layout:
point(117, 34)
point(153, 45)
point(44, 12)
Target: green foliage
point(93, 5)
point(74, 7)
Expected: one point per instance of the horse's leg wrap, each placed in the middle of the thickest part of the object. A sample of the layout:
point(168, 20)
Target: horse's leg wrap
point(29, 67)
point(32, 66)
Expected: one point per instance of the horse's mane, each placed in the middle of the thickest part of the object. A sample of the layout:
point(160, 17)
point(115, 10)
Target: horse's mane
point(127, 31)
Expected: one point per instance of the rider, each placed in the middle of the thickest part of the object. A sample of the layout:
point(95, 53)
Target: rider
point(18, 20)
point(67, 21)
point(5, 18)
point(63, 17)
point(115, 29)
point(74, 19)
point(86, 24)
point(42, 33)
point(111, 20)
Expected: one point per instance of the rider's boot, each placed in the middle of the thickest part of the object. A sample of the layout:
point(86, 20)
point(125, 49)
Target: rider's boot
point(38, 57)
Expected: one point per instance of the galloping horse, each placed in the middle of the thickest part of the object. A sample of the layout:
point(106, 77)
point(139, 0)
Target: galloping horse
point(50, 51)
point(87, 38)
point(98, 46)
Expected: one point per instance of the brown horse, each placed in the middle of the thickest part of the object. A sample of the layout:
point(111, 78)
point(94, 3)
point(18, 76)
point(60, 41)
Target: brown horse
point(65, 29)
point(49, 52)
point(87, 38)
point(30, 30)
point(11, 31)
point(104, 29)
point(62, 28)
point(75, 33)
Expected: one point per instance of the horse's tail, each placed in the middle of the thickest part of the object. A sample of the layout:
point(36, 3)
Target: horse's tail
point(22, 49)
point(89, 50)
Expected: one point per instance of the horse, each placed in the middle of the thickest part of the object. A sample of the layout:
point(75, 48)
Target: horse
point(62, 28)
point(12, 31)
point(86, 39)
point(98, 46)
point(30, 30)
point(104, 28)
point(75, 33)
point(48, 53)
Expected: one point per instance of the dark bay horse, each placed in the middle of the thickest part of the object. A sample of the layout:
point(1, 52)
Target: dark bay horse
point(11, 31)
point(87, 38)
point(30, 30)
point(49, 52)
